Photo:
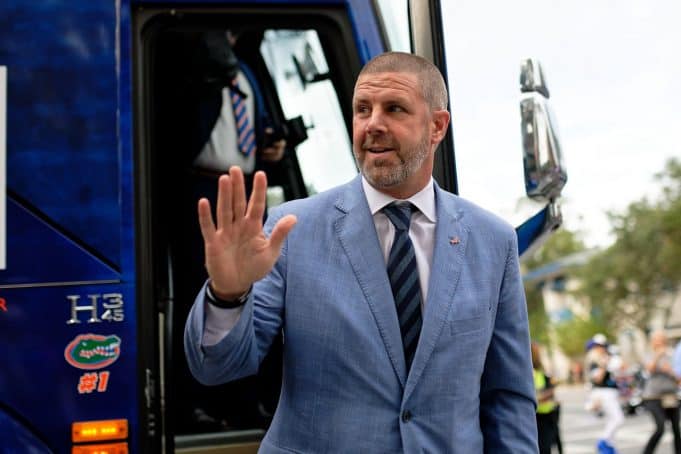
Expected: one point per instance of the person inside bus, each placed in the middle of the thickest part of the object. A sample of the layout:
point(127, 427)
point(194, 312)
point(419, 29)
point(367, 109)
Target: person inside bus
point(401, 305)
point(224, 121)
point(232, 123)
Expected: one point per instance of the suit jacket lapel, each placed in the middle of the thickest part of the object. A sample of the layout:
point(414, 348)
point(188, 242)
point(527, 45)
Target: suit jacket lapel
point(357, 234)
point(451, 239)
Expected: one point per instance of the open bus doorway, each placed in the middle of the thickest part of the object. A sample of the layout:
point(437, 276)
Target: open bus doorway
point(301, 66)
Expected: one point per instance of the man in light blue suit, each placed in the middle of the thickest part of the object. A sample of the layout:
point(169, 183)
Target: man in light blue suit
point(436, 360)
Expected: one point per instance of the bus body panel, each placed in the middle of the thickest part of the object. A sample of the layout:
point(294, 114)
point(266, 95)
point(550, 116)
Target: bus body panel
point(70, 280)
point(67, 249)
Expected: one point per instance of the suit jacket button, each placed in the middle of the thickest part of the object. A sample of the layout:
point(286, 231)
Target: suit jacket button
point(406, 416)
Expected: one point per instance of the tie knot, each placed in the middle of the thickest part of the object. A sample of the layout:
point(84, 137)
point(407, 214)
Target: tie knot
point(399, 214)
point(235, 90)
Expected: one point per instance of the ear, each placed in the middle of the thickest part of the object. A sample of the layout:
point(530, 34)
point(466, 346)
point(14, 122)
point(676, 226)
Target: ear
point(439, 124)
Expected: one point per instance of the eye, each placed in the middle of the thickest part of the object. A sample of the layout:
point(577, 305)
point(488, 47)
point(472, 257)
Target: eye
point(361, 109)
point(396, 108)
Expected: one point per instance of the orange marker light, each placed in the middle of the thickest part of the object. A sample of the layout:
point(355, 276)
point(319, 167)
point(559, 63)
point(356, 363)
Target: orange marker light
point(110, 429)
point(109, 448)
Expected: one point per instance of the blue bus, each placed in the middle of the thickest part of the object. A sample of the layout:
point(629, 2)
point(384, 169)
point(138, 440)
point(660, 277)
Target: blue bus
point(98, 264)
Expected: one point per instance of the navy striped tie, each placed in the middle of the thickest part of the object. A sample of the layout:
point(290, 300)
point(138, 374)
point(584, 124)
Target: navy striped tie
point(245, 134)
point(404, 279)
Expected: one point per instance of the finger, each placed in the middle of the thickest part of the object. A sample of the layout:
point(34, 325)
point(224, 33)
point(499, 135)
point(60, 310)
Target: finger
point(206, 220)
point(280, 231)
point(238, 192)
point(224, 204)
point(256, 206)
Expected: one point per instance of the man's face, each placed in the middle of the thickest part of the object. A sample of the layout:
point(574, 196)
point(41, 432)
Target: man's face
point(658, 340)
point(395, 133)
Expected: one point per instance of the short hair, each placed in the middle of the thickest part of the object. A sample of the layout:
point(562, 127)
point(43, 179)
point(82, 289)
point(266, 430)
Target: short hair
point(433, 87)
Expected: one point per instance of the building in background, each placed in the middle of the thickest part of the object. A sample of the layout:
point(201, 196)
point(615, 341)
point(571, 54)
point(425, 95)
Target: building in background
point(557, 280)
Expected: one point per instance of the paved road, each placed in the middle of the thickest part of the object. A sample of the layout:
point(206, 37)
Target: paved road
point(580, 430)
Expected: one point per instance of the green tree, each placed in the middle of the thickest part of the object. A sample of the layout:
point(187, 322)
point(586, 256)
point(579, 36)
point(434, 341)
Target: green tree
point(632, 279)
point(538, 319)
point(572, 335)
point(562, 243)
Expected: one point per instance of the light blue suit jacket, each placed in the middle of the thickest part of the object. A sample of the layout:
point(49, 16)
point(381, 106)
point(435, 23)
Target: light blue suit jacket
point(345, 386)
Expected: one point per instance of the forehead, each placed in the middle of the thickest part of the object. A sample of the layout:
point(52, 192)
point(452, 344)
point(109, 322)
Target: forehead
point(388, 84)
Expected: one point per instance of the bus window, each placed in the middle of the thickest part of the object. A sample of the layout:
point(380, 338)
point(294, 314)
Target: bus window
point(296, 62)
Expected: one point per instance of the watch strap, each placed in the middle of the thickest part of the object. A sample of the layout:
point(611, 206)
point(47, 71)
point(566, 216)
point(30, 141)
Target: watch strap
point(223, 303)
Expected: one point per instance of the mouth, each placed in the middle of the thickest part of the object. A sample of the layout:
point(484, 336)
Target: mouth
point(378, 150)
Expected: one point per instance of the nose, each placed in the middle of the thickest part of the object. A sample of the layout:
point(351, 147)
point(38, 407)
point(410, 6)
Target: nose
point(376, 123)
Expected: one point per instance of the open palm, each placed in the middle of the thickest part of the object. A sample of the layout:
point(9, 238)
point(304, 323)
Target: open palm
point(237, 251)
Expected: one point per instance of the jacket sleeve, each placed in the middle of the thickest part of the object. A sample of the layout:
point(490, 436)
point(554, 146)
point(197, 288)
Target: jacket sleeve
point(507, 398)
point(239, 353)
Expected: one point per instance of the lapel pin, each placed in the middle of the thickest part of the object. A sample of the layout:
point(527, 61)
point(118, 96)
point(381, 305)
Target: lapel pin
point(454, 240)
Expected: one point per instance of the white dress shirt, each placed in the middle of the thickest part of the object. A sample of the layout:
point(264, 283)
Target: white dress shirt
point(220, 321)
point(221, 151)
point(421, 228)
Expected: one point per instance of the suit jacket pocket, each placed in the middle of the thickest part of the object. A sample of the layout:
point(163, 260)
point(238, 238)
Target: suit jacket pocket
point(466, 347)
point(466, 326)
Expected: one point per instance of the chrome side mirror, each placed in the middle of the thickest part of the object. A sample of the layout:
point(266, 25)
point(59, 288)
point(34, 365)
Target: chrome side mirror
point(532, 78)
point(545, 174)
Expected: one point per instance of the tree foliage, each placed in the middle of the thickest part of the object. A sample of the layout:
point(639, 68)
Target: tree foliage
point(628, 281)
point(538, 319)
point(560, 244)
point(572, 335)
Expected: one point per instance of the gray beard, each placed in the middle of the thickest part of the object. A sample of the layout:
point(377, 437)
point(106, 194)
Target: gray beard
point(398, 174)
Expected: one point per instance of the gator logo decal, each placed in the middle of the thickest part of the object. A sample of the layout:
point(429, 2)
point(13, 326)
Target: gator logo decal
point(92, 351)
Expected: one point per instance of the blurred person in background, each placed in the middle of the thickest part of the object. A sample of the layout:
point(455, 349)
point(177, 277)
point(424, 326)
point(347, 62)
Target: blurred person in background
point(660, 391)
point(676, 361)
point(604, 395)
point(548, 409)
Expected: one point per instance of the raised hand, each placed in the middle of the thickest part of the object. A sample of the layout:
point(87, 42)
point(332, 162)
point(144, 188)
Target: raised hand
point(237, 251)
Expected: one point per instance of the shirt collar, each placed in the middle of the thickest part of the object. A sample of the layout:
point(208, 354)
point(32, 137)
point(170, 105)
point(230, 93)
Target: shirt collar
point(424, 200)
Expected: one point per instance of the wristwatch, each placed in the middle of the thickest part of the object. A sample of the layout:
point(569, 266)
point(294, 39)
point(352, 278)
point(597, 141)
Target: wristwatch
point(226, 304)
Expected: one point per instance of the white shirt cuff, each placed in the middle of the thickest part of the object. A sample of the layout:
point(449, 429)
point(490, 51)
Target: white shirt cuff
point(218, 322)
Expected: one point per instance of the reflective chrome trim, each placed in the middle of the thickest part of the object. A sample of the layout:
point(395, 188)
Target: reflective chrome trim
point(234, 441)
point(421, 29)
point(532, 77)
point(61, 284)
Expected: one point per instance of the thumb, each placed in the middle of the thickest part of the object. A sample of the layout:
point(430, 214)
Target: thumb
point(280, 231)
